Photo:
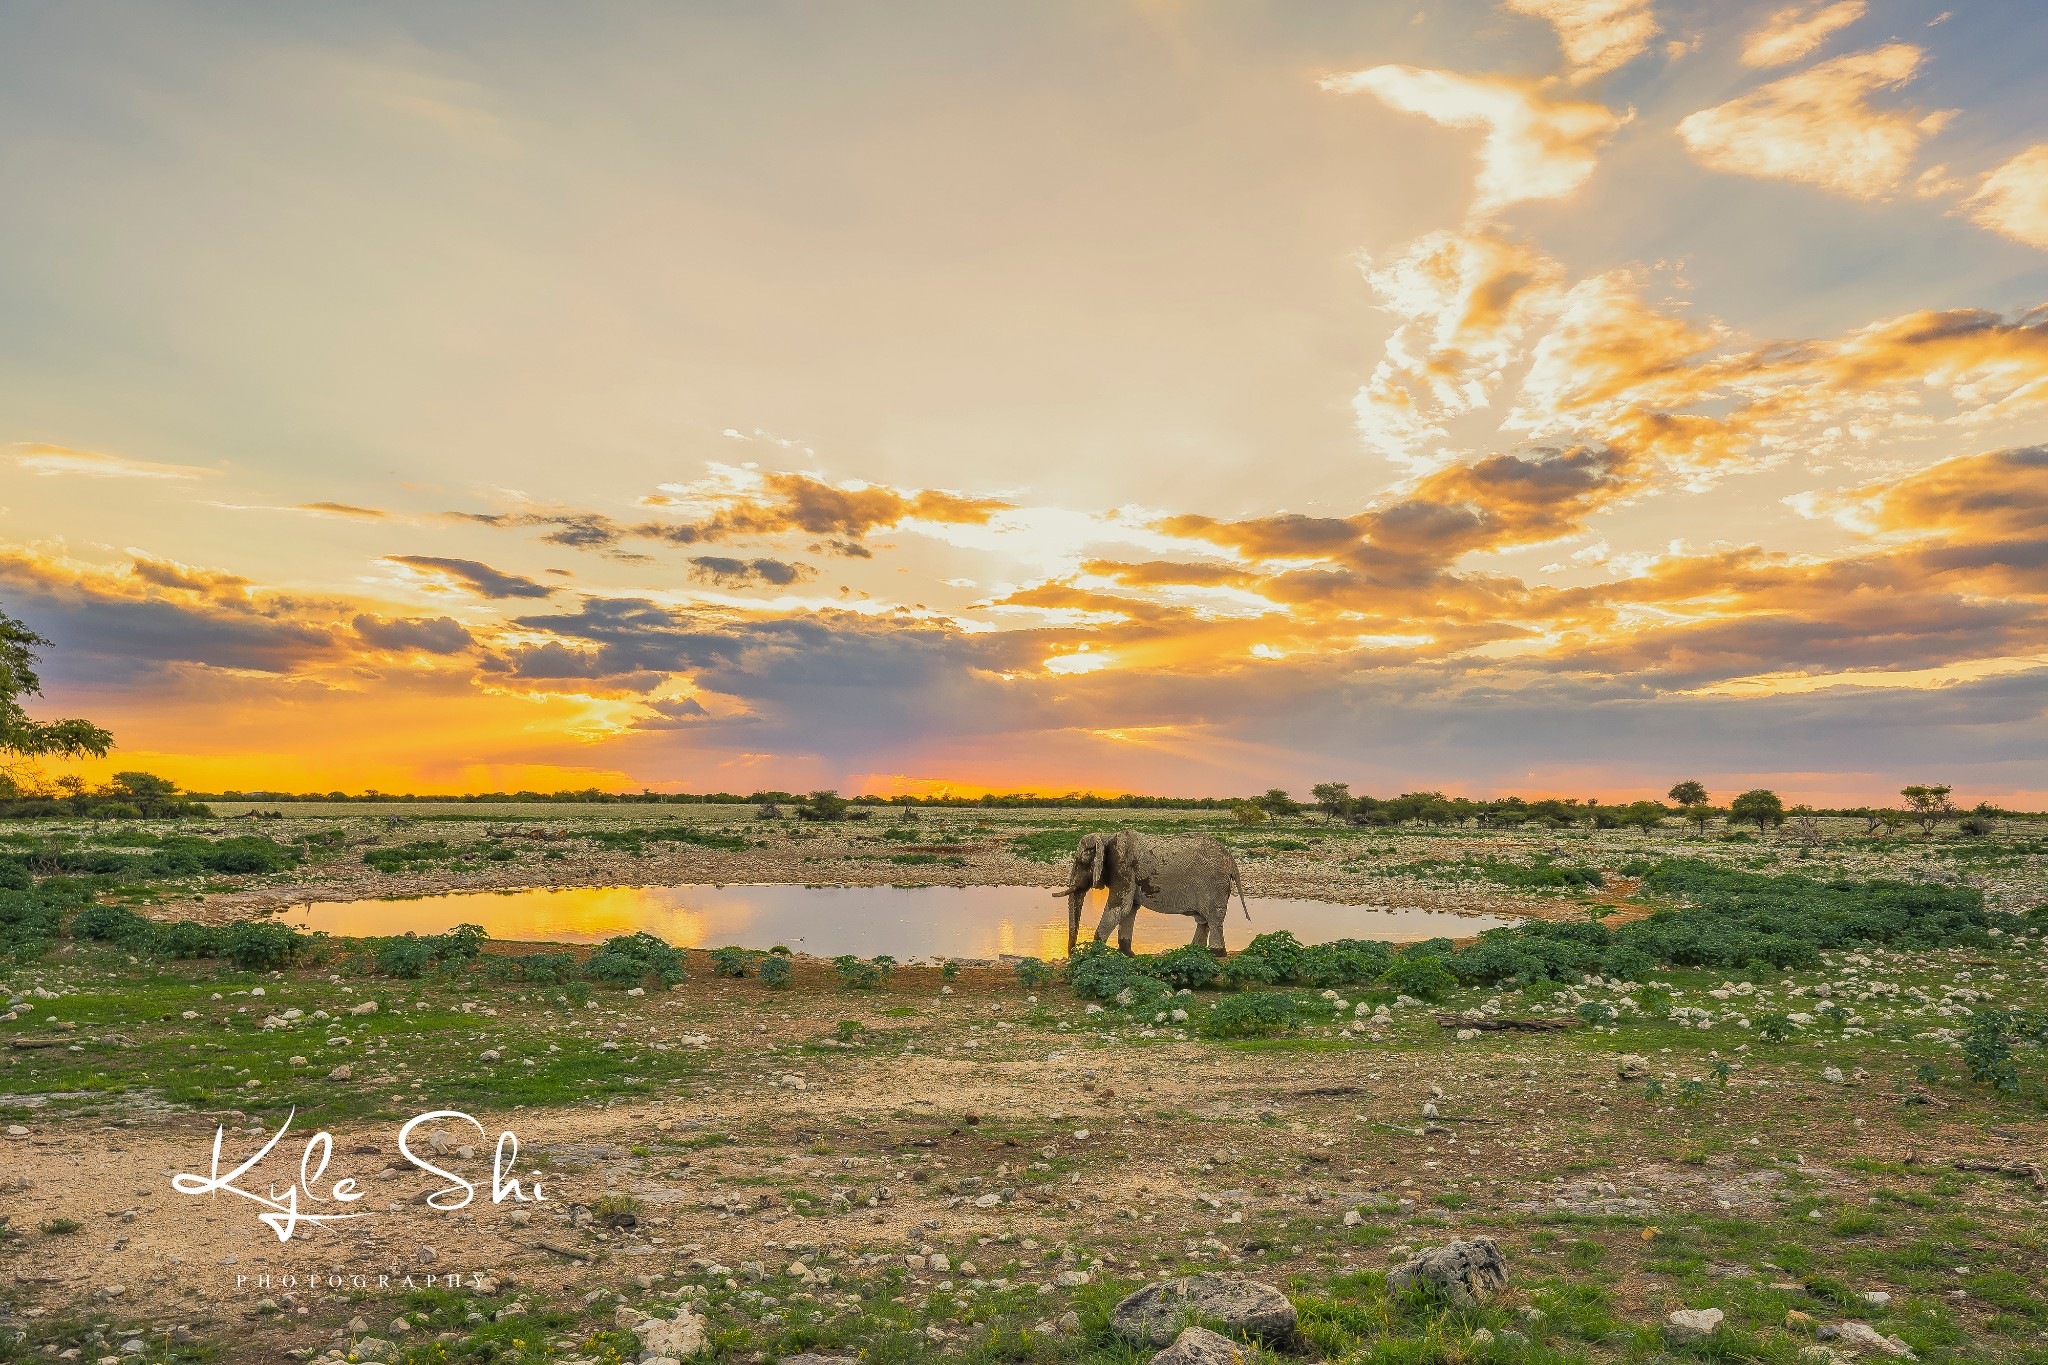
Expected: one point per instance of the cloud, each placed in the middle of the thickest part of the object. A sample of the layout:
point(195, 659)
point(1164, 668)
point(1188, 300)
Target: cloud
point(1598, 36)
point(1793, 32)
point(740, 573)
point(1819, 127)
point(745, 504)
point(1535, 147)
point(470, 576)
point(341, 509)
point(49, 460)
point(435, 635)
point(2013, 200)
point(1465, 298)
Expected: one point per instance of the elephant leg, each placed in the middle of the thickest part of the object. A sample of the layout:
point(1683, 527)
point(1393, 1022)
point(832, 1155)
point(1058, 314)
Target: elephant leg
point(1111, 916)
point(1216, 935)
point(1201, 938)
point(1123, 931)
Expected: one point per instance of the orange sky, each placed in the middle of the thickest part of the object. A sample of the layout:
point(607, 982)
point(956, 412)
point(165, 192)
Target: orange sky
point(1543, 396)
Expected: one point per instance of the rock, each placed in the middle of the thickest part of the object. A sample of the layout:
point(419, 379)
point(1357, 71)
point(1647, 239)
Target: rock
point(813, 1358)
point(1352, 1218)
point(1465, 1272)
point(367, 1007)
point(1833, 1076)
point(357, 1326)
point(1864, 1339)
point(679, 1337)
point(1154, 1315)
point(1631, 1066)
point(1692, 1324)
point(1877, 1298)
point(1073, 1279)
point(1200, 1346)
point(1068, 1323)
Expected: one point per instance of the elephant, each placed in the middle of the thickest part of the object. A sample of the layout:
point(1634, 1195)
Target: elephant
point(1176, 876)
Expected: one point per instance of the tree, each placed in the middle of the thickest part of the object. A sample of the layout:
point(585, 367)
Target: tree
point(823, 805)
point(1759, 805)
point(36, 738)
point(1688, 793)
point(1279, 804)
point(1700, 816)
point(1333, 799)
point(1929, 805)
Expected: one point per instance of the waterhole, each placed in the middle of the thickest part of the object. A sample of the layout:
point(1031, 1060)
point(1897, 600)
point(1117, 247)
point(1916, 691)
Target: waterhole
point(904, 922)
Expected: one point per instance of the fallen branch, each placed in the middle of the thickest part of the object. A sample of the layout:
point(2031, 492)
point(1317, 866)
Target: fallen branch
point(1486, 1023)
point(571, 1252)
point(2025, 1169)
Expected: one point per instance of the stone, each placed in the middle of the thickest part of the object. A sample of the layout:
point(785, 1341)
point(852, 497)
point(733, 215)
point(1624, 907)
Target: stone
point(679, 1337)
point(1864, 1339)
point(1692, 1324)
point(367, 1007)
point(1154, 1315)
point(1200, 1346)
point(1631, 1066)
point(1463, 1273)
point(1877, 1298)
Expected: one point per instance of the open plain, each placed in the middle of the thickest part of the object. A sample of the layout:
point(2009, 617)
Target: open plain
point(944, 1161)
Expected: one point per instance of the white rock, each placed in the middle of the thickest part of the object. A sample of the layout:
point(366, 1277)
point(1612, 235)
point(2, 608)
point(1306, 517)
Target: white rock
point(1693, 1324)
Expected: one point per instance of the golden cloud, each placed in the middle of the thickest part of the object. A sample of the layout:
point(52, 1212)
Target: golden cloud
point(1598, 36)
point(1819, 126)
point(1793, 32)
point(49, 460)
point(1465, 299)
point(1536, 147)
point(2013, 200)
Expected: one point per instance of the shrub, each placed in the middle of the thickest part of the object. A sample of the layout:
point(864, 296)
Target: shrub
point(404, 955)
point(540, 969)
point(1097, 971)
point(248, 853)
point(775, 971)
point(1190, 967)
point(254, 946)
point(14, 874)
point(856, 975)
point(1245, 969)
point(1251, 1014)
point(630, 959)
point(735, 963)
point(110, 924)
point(1033, 973)
point(1422, 976)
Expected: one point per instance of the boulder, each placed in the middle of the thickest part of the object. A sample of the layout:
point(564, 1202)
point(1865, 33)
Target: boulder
point(1866, 1340)
point(679, 1337)
point(1464, 1273)
point(1632, 1066)
point(1200, 1346)
point(1155, 1314)
point(1692, 1324)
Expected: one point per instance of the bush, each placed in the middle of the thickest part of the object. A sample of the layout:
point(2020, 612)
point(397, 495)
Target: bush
point(248, 853)
point(856, 975)
point(1251, 1014)
point(1190, 967)
point(539, 969)
point(630, 959)
point(1032, 973)
point(1423, 976)
point(775, 971)
point(1097, 971)
point(255, 946)
point(14, 874)
point(735, 963)
point(110, 924)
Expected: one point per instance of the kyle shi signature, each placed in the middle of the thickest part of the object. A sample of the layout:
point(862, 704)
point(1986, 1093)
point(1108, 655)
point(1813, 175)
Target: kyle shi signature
point(282, 1211)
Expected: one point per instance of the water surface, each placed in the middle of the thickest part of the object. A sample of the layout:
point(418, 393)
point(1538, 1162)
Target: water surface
point(905, 922)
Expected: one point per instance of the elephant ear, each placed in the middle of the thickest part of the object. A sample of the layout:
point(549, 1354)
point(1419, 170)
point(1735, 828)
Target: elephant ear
point(1098, 844)
point(1124, 848)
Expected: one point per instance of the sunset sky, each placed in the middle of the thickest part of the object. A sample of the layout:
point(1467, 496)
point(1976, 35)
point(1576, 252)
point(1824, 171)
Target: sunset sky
point(1560, 396)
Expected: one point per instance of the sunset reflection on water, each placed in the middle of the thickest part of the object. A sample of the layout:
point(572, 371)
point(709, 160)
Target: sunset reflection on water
point(906, 922)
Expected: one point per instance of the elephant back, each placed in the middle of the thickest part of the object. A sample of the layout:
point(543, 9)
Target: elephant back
point(1182, 874)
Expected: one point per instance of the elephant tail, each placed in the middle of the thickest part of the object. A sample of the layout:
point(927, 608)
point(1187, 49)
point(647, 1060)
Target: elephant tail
point(1237, 880)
